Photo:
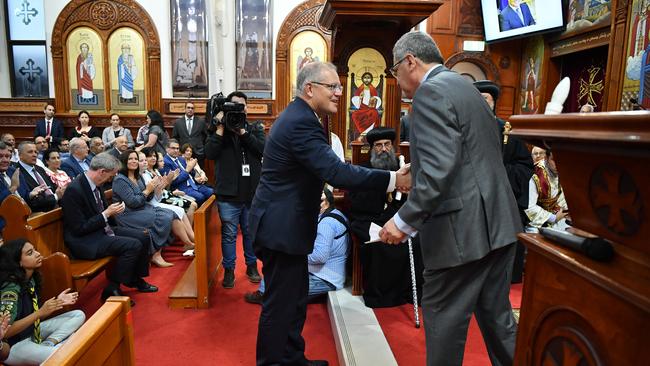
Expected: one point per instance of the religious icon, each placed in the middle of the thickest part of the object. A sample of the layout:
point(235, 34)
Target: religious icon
point(530, 86)
point(85, 65)
point(307, 46)
point(307, 58)
point(637, 69)
point(366, 104)
point(531, 81)
point(189, 48)
point(585, 14)
point(85, 73)
point(127, 71)
point(254, 46)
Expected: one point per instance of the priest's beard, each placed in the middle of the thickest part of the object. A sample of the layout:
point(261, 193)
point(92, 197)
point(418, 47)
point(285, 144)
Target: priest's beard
point(385, 160)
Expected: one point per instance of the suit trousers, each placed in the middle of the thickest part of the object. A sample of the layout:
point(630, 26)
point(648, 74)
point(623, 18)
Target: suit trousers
point(284, 309)
point(452, 295)
point(131, 249)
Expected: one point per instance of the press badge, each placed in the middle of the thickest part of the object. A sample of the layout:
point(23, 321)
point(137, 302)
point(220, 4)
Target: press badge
point(245, 170)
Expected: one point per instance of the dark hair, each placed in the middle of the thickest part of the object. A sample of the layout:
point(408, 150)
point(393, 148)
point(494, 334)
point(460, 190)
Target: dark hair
point(79, 115)
point(185, 146)
point(113, 114)
point(237, 94)
point(48, 152)
point(156, 119)
point(151, 152)
point(10, 269)
point(124, 159)
point(329, 197)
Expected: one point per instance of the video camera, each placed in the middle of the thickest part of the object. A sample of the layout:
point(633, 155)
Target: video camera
point(234, 117)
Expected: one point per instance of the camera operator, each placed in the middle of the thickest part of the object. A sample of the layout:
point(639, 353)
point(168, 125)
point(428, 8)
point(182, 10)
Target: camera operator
point(237, 147)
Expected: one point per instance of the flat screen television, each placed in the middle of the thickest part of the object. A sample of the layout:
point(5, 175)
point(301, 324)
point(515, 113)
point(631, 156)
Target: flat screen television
point(507, 19)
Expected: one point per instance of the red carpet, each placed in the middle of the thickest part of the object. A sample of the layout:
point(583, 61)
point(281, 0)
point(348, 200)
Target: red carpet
point(224, 334)
point(407, 342)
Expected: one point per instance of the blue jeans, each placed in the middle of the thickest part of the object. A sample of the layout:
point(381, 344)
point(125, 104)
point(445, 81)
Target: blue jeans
point(233, 214)
point(317, 286)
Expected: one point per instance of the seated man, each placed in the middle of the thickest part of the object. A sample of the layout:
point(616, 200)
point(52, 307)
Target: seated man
point(9, 181)
point(546, 204)
point(386, 268)
point(90, 230)
point(96, 146)
point(326, 264)
point(36, 187)
point(41, 145)
point(64, 149)
point(10, 140)
point(185, 181)
point(121, 144)
point(78, 162)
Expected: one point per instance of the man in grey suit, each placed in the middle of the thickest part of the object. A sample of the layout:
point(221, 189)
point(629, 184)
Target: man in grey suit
point(192, 130)
point(460, 203)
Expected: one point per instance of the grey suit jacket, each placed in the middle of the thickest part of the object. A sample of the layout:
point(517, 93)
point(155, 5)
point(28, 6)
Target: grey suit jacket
point(461, 201)
point(196, 137)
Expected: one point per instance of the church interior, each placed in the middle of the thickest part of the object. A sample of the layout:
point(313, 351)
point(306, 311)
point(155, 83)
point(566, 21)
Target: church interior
point(568, 77)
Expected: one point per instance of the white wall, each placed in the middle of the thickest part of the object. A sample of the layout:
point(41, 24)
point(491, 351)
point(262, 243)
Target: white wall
point(221, 41)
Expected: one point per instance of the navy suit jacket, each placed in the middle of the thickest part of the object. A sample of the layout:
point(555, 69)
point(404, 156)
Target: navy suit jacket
point(4, 193)
point(181, 181)
point(41, 202)
point(56, 130)
point(509, 19)
point(297, 161)
point(71, 166)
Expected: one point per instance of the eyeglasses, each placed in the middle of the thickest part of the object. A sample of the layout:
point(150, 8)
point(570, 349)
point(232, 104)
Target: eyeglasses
point(332, 87)
point(393, 69)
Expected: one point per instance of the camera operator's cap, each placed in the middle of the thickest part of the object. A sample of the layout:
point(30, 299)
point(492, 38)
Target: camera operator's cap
point(380, 133)
point(487, 86)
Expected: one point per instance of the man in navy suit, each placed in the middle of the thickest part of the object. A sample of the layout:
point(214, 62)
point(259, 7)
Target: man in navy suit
point(90, 232)
point(78, 161)
point(283, 217)
point(36, 187)
point(49, 127)
point(515, 15)
point(185, 180)
point(8, 184)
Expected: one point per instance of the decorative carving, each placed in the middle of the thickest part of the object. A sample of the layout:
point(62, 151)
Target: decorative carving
point(562, 351)
point(616, 200)
point(302, 17)
point(103, 14)
point(477, 58)
point(504, 62)
point(621, 11)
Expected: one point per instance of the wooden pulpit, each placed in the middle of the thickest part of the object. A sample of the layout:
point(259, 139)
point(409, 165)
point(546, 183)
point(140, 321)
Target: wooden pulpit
point(577, 311)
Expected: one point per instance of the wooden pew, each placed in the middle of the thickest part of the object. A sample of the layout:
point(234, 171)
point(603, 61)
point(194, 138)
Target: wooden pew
point(105, 339)
point(45, 231)
point(360, 156)
point(193, 289)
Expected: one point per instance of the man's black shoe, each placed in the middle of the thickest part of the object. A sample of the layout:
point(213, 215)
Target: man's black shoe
point(317, 363)
point(228, 278)
point(108, 292)
point(254, 297)
point(253, 275)
point(143, 286)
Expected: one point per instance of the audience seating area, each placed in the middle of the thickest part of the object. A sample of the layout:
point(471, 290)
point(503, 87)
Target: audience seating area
point(105, 339)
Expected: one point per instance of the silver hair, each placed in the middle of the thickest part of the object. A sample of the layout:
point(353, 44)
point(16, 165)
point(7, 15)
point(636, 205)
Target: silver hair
point(75, 143)
point(420, 45)
point(313, 71)
point(105, 161)
point(23, 145)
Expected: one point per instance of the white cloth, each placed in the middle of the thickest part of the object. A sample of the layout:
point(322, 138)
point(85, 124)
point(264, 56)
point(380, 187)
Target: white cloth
point(155, 201)
point(539, 216)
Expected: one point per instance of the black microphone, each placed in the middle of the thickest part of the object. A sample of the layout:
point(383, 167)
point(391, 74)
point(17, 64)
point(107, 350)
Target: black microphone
point(597, 249)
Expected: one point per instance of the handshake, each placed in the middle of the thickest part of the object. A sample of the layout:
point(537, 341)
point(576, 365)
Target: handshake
point(403, 179)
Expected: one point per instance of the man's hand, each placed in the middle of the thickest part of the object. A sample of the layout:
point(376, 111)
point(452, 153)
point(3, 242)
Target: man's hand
point(403, 182)
point(60, 191)
point(220, 126)
point(68, 298)
point(15, 181)
point(178, 193)
point(37, 190)
point(114, 209)
point(390, 234)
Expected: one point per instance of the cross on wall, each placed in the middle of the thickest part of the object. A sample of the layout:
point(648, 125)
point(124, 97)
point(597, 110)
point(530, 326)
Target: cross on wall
point(26, 12)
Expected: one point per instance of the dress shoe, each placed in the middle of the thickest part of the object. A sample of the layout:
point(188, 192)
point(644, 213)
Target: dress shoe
point(228, 278)
point(188, 253)
point(253, 275)
point(143, 286)
point(317, 363)
point(187, 247)
point(108, 292)
point(254, 297)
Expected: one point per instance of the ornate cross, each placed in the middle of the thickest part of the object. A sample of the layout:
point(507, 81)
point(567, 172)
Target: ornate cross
point(25, 12)
point(30, 70)
point(588, 88)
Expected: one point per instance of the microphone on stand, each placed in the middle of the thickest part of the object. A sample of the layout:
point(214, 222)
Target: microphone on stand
point(597, 249)
point(398, 195)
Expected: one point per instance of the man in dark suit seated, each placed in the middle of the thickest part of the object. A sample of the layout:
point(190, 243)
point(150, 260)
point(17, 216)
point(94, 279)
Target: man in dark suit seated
point(297, 162)
point(386, 268)
point(8, 182)
point(192, 130)
point(90, 230)
point(36, 187)
point(185, 181)
point(515, 15)
point(121, 145)
point(78, 162)
point(49, 127)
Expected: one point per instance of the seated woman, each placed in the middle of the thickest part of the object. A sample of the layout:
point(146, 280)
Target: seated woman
point(52, 160)
point(128, 187)
point(156, 200)
point(32, 336)
point(188, 154)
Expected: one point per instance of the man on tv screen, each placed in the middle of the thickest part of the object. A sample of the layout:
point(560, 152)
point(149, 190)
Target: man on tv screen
point(515, 15)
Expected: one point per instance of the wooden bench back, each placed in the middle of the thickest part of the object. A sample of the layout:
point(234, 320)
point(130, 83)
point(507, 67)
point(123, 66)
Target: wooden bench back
point(105, 339)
